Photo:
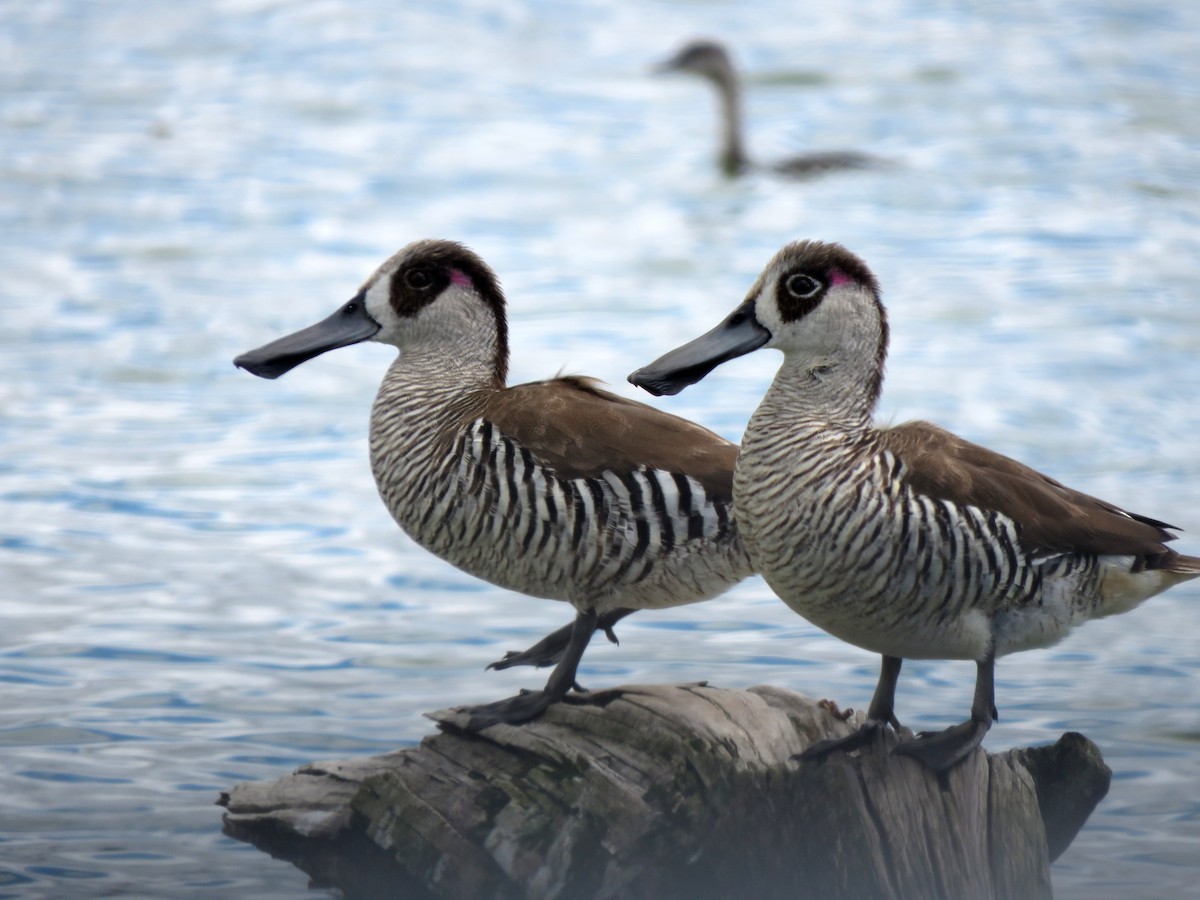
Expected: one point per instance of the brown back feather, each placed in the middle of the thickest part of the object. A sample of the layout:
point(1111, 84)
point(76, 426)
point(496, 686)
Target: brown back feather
point(578, 430)
point(1050, 515)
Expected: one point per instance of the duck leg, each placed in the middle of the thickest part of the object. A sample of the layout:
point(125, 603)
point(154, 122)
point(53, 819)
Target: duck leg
point(549, 650)
point(940, 751)
point(880, 714)
point(531, 704)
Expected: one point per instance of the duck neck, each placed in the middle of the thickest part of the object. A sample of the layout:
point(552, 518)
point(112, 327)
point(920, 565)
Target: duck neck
point(814, 397)
point(733, 153)
point(428, 393)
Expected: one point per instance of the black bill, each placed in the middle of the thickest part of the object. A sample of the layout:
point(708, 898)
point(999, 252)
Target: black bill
point(738, 335)
point(349, 325)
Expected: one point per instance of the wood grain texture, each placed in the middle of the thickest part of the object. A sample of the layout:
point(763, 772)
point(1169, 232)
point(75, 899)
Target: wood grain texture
point(673, 791)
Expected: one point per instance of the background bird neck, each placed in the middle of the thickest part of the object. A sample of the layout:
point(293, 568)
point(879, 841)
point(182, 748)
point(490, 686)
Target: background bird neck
point(733, 152)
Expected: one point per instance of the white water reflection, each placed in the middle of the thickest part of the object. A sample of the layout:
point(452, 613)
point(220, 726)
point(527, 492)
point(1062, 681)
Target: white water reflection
point(200, 585)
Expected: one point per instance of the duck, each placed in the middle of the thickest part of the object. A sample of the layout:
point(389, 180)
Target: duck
point(557, 489)
point(917, 544)
point(711, 61)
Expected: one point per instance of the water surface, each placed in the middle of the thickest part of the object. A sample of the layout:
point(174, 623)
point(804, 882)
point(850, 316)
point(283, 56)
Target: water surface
point(200, 585)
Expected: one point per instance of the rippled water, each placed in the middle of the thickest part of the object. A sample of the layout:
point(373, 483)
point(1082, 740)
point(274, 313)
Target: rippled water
point(199, 584)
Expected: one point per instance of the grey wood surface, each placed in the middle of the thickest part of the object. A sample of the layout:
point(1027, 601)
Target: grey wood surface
point(670, 791)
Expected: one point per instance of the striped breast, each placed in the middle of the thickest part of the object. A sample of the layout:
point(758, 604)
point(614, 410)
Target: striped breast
point(839, 533)
point(919, 544)
point(514, 492)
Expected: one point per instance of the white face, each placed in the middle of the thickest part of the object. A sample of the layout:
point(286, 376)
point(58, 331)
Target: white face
point(375, 295)
point(434, 295)
point(421, 298)
point(814, 314)
point(816, 302)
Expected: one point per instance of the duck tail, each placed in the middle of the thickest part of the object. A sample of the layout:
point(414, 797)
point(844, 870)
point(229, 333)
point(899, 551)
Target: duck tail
point(1187, 566)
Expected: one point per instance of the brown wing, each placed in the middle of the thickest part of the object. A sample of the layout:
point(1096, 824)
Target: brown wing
point(578, 430)
point(1051, 516)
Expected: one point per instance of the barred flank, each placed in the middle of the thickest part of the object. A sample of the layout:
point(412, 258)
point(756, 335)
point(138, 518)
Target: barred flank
point(473, 496)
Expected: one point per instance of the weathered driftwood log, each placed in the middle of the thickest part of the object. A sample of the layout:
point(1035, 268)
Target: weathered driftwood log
point(673, 791)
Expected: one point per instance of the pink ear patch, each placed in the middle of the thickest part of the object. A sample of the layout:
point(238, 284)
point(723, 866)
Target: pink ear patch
point(457, 276)
point(837, 278)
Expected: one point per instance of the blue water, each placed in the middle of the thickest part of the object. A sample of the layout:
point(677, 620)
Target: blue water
point(199, 584)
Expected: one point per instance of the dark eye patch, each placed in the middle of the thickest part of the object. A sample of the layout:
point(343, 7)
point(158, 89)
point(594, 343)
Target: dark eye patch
point(415, 286)
point(798, 294)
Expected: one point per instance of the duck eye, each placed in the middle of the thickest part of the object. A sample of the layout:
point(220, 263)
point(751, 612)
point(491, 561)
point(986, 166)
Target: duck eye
point(801, 285)
point(418, 278)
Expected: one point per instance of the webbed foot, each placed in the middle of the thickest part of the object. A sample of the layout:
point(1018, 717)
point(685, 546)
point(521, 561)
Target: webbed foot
point(546, 652)
point(856, 740)
point(549, 650)
point(940, 751)
point(523, 707)
point(880, 714)
point(531, 704)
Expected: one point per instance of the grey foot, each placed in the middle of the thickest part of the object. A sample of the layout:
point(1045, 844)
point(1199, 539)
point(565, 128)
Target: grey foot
point(856, 740)
point(523, 707)
point(940, 751)
point(546, 652)
point(549, 650)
